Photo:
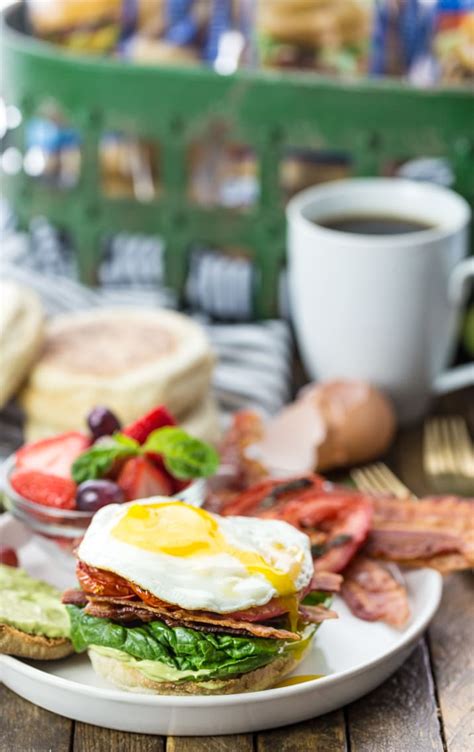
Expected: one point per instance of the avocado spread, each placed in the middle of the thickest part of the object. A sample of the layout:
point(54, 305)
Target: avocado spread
point(30, 605)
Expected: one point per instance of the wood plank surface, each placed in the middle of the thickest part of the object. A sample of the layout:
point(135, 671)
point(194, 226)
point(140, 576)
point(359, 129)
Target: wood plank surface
point(25, 727)
point(89, 738)
point(401, 715)
point(231, 743)
point(451, 638)
point(324, 734)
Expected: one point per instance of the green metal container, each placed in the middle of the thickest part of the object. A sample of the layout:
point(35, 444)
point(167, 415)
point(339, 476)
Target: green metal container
point(374, 121)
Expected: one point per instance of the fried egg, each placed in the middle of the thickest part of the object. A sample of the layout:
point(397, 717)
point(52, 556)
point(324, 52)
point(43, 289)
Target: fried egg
point(197, 560)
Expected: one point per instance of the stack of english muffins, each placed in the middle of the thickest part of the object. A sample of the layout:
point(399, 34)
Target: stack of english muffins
point(129, 359)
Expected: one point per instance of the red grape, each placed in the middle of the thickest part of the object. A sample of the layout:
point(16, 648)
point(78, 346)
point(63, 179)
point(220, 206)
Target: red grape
point(8, 556)
point(102, 422)
point(94, 494)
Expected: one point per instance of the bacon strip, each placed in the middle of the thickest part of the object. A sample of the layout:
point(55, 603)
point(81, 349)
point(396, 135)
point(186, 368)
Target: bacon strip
point(435, 531)
point(373, 593)
point(190, 618)
point(74, 597)
point(316, 614)
point(329, 582)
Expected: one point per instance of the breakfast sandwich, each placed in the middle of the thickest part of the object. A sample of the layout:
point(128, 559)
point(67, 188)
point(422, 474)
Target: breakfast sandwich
point(176, 600)
point(130, 359)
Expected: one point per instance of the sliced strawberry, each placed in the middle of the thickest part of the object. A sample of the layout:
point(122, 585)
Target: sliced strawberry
point(53, 456)
point(49, 490)
point(156, 418)
point(8, 556)
point(176, 484)
point(139, 478)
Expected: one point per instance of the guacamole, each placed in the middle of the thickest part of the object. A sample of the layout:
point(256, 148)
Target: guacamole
point(30, 605)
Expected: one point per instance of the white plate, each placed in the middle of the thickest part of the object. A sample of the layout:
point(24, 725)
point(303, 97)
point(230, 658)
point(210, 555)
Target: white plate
point(354, 656)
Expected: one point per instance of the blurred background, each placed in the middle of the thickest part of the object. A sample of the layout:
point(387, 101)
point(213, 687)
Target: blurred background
point(148, 149)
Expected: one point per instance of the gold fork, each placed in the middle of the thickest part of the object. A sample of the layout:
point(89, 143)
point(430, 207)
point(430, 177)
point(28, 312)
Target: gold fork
point(448, 452)
point(379, 479)
point(447, 447)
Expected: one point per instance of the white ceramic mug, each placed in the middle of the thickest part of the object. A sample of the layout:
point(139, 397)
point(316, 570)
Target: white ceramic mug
point(380, 308)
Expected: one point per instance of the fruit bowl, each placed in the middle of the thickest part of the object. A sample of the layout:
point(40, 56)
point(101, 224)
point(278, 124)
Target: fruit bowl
point(60, 531)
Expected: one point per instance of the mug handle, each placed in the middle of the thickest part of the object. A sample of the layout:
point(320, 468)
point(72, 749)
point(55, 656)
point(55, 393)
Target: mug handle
point(459, 376)
point(457, 285)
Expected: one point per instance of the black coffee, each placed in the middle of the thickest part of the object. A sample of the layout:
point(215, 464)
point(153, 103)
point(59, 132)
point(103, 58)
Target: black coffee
point(373, 224)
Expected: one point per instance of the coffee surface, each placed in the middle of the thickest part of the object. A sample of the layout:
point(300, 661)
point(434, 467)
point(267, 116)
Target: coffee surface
point(373, 224)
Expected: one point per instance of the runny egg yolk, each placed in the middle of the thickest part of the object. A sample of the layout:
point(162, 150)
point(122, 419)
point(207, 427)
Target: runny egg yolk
point(177, 529)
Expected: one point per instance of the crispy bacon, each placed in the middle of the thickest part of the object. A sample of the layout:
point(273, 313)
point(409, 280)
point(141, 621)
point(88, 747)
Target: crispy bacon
point(316, 614)
point(373, 593)
point(328, 582)
point(190, 618)
point(75, 597)
point(435, 531)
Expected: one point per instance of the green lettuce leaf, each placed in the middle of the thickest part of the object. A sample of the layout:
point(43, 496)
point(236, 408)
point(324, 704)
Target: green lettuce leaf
point(180, 648)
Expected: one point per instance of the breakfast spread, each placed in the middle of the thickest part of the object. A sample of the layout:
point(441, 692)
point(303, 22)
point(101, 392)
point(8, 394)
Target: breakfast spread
point(130, 359)
point(74, 471)
point(33, 621)
point(177, 600)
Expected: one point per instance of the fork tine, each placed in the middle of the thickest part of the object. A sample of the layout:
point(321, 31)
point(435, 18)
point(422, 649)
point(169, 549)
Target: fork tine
point(393, 483)
point(462, 446)
point(447, 447)
point(378, 478)
point(365, 481)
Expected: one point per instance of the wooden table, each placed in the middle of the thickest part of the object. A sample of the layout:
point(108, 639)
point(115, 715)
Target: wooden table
point(425, 706)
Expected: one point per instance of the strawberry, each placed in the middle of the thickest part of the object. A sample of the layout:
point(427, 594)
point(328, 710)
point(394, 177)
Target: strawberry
point(156, 418)
point(176, 484)
point(53, 456)
point(139, 478)
point(49, 490)
point(8, 556)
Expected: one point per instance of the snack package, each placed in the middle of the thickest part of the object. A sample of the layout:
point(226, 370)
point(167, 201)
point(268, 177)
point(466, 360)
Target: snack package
point(168, 31)
point(230, 35)
point(401, 39)
point(127, 167)
point(93, 27)
point(52, 152)
point(453, 41)
point(329, 36)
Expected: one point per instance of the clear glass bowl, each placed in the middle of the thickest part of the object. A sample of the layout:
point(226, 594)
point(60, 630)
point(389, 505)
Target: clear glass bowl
point(59, 531)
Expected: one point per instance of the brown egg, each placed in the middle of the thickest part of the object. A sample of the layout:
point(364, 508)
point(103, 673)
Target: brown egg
point(359, 419)
point(330, 425)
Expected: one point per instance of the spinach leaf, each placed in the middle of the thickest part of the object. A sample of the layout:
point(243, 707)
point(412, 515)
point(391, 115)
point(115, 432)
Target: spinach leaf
point(179, 647)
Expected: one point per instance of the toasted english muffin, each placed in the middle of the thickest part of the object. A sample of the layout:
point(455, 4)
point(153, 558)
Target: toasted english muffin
point(131, 679)
point(129, 359)
point(21, 335)
point(36, 647)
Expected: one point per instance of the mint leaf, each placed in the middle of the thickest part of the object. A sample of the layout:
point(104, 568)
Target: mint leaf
point(184, 456)
point(98, 460)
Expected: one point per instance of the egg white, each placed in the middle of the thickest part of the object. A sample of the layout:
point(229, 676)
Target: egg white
point(219, 582)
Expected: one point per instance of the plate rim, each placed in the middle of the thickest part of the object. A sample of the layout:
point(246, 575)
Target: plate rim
point(412, 632)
